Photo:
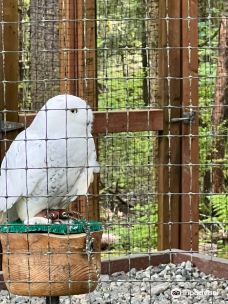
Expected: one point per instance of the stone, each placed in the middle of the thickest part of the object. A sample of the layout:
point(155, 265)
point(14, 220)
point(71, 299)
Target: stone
point(188, 265)
point(159, 288)
point(195, 275)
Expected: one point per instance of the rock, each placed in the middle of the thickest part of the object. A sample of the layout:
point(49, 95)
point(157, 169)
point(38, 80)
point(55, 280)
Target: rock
point(179, 271)
point(202, 275)
point(155, 269)
point(162, 273)
point(188, 265)
point(105, 278)
point(150, 268)
point(99, 301)
point(184, 272)
point(132, 272)
point(214, 285)
point(195, 275)
point(203, 301)
point(121, 275)
point(183, 265)
point(179, 277)
point(106, 295)
point(155, 290)
point(140, 275)
point(173, 266)
point(188, 285)
point(4, 293)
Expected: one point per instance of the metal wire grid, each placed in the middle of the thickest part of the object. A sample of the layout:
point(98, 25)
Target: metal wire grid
point(40, 80)
point(213, 168)
point(128, 194)
point(125, 81)
point(125, 58)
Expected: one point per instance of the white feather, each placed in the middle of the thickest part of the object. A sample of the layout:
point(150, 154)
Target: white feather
point(50, 163)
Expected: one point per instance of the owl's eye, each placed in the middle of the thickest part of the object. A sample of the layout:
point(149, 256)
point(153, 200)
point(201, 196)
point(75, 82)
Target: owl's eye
point(74, 111)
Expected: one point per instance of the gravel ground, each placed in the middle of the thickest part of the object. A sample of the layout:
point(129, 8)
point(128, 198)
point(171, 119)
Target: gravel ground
point(163, 284)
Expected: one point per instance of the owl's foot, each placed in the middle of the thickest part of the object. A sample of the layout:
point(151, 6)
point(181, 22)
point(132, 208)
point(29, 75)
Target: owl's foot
point(59, 216)
point(37, 220)
point(49, 216)
point(53, 215)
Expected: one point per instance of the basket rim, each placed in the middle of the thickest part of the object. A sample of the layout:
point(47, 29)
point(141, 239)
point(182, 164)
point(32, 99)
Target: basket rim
point(77, 227)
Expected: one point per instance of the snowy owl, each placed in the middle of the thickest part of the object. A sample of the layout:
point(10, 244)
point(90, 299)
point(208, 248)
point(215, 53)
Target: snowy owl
point(50, 163)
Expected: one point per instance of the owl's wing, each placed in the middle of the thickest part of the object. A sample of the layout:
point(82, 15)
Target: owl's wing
point(93, 163)
point(85, 176)
point(14, 180)
point(11, 169)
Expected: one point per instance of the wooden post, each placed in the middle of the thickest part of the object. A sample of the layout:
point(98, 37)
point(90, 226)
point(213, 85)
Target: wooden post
point(190, 149)
point(169, 174)
point(178, 146)
point(9, 67)
point(78, 69)
point(78, 49)
point(67, 47)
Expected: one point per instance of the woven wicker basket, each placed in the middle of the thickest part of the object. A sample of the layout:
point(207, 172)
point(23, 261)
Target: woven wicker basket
point(41, 264)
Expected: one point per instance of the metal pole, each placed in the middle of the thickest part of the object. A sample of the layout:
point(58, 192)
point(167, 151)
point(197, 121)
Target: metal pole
point(52, 300)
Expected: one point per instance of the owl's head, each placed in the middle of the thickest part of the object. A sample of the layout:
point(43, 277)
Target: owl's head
point(66, 114)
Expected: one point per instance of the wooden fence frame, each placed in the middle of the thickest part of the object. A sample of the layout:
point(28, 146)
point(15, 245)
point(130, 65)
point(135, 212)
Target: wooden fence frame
point(178, 176)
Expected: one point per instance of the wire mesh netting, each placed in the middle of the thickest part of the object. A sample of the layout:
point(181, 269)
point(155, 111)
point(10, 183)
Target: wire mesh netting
point(128, 180)
point(160, 130)
point(212, 134)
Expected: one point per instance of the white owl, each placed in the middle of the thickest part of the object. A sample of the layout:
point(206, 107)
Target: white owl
point(51, 162)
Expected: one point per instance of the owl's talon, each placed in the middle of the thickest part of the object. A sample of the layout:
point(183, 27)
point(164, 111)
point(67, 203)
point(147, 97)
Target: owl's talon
point(37, 221)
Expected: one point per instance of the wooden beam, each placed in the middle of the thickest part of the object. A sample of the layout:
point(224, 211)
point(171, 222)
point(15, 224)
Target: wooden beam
point(190, 146)
point(169, 144)
point(118, 121)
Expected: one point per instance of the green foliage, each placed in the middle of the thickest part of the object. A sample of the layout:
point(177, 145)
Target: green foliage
point(215, 222)
point(121, 91)
point(24, 87)
point(208, 38)
point(126, 159)
point(222, 249)
point(213, 209)
point(219, 205)
point(139, 234)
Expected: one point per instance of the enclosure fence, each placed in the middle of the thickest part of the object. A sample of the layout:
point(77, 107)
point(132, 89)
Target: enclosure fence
point(154, 72)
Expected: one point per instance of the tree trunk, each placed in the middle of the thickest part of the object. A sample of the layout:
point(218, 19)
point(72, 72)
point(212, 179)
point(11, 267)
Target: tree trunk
point(44, 50)
point(150, 54)
point(214, 179)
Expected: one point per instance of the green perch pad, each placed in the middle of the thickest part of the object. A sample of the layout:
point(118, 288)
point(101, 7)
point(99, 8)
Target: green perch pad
point(78, 226)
